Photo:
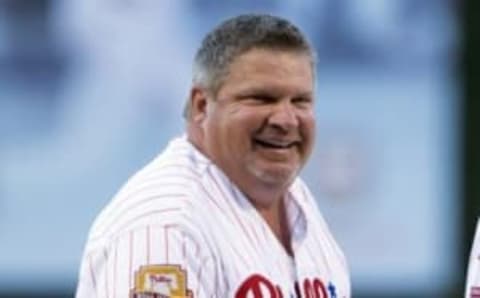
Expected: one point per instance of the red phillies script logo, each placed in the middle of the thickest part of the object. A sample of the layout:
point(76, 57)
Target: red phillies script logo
point(257, 286)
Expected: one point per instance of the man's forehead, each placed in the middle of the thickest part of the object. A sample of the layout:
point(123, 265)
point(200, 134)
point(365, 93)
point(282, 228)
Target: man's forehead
point(267, 62)
point(271, 52)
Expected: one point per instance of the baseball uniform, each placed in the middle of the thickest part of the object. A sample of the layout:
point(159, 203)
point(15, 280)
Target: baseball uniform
point(473, 276)
point(180, 228)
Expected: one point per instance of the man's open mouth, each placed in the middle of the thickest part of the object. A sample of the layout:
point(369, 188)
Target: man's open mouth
point(274, 144)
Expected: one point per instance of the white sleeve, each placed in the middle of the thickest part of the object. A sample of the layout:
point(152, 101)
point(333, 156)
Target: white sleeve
point(473, 276)
point(160, 259)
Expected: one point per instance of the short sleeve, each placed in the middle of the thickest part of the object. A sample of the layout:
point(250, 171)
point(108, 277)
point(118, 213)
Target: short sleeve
point(151, 259)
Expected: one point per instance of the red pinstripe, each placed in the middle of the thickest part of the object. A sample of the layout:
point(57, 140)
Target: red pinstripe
point(212, 199)
point(185, 152)
point(245, 259)
point(239, 254)
point(146, 214)
point(115, 272)
point(199, 278)
point(138, 204)
point(195, 244)
point(105, 255)
point(175, 162)
point(166, 243)
point(184, 249)
point(148, 243)
point(184, 183)
point(254, 228)
point(130, 259)
point(92, 273)
point(229, 203)
point(197, 249)
point(314, 255)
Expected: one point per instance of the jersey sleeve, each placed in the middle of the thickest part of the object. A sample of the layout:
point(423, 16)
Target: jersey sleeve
point(150, 261)
point(473, 276)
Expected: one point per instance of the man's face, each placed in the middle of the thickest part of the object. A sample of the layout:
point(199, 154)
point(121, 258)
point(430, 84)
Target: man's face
point(260, 127)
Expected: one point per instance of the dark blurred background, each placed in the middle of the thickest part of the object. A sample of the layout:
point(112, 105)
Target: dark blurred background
point(91, 90)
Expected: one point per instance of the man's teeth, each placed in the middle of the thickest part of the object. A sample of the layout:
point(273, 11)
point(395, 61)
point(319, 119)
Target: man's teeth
point(275, 145)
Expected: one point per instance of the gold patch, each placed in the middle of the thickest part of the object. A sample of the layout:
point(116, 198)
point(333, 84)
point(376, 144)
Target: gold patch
point(161, 281)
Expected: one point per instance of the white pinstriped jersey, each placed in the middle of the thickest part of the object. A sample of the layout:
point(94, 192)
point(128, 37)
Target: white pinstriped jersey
point(472, 289)
point(180, 228)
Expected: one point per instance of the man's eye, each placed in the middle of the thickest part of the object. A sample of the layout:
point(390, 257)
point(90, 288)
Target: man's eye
point(259, 98)
point(302, 100)
point(263, 97)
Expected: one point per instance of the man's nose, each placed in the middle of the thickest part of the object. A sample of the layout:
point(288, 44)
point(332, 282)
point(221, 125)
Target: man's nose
point(284, 115)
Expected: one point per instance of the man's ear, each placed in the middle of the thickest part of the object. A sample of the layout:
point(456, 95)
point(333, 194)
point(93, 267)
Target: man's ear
point(198, 104)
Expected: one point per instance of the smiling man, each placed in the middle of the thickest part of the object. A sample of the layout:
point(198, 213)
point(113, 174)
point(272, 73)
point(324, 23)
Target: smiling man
point(222, 212)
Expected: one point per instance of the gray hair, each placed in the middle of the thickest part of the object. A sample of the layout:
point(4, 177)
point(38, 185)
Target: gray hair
point(236, 36)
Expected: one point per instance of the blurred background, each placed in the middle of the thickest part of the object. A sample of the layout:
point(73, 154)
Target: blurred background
point(92, 90)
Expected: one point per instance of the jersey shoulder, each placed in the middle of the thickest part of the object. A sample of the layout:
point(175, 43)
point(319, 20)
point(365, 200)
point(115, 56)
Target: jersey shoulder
point(164, 192)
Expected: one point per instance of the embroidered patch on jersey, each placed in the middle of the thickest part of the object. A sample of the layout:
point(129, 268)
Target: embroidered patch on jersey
point(161, 281)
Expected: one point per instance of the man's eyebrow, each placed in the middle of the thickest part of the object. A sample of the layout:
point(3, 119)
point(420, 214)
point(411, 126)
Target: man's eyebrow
point(271, 91)
point(305, 94)
point(258, 91)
